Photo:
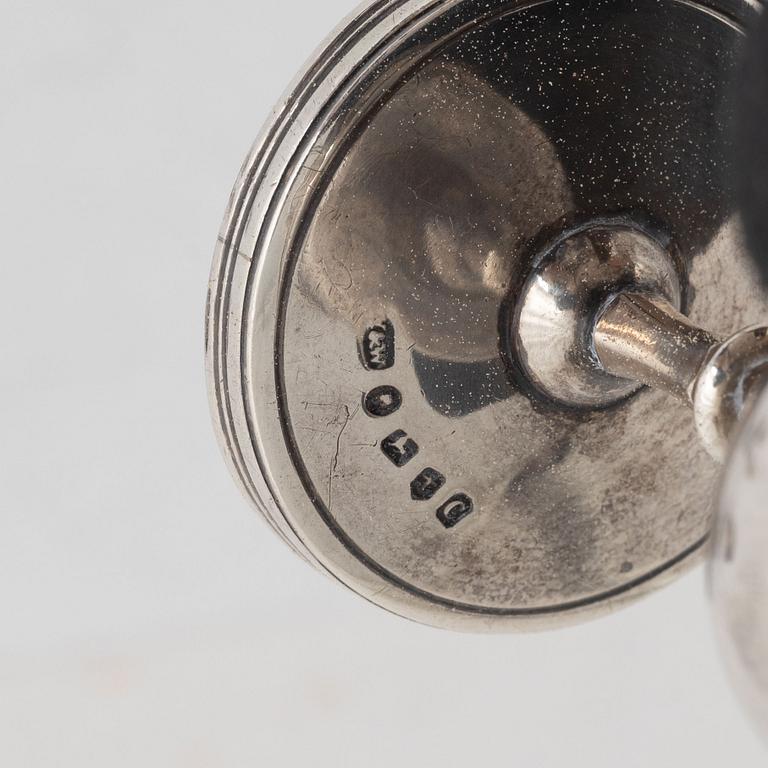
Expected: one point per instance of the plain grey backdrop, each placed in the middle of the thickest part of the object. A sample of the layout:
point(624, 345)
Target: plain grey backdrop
point(149, 618)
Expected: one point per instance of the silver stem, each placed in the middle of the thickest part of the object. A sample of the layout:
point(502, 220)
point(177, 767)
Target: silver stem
point(612, 292)
point(646, 339)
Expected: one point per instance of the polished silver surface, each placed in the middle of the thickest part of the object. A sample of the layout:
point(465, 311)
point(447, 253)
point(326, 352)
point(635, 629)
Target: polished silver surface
point(364, 380)
point(738, 567)
point(645, 339)
point(735, 373)
point(558, 309)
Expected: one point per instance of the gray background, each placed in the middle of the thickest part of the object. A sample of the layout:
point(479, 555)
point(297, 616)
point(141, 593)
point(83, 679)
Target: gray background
point(148, 617)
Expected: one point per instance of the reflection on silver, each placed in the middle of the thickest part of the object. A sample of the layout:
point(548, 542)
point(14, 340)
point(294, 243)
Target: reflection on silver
point(643, 338)
point(423, 218)
point(733, 376)
point(416, 171)
point(738, 568)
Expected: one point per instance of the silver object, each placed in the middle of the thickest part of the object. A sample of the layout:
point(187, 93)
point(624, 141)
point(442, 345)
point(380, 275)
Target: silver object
point(466, 243)
point(738, 570)
point(598, 317)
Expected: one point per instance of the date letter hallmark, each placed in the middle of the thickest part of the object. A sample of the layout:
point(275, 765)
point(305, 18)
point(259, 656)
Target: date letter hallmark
point(455, 510)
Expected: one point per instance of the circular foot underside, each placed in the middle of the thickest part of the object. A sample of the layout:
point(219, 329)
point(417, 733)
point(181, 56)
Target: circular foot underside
point(366, 388)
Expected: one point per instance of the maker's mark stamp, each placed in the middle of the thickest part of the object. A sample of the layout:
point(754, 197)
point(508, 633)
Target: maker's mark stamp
point(378, 347)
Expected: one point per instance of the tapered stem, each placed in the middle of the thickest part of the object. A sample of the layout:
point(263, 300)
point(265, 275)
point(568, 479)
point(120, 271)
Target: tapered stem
point(646, 339)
